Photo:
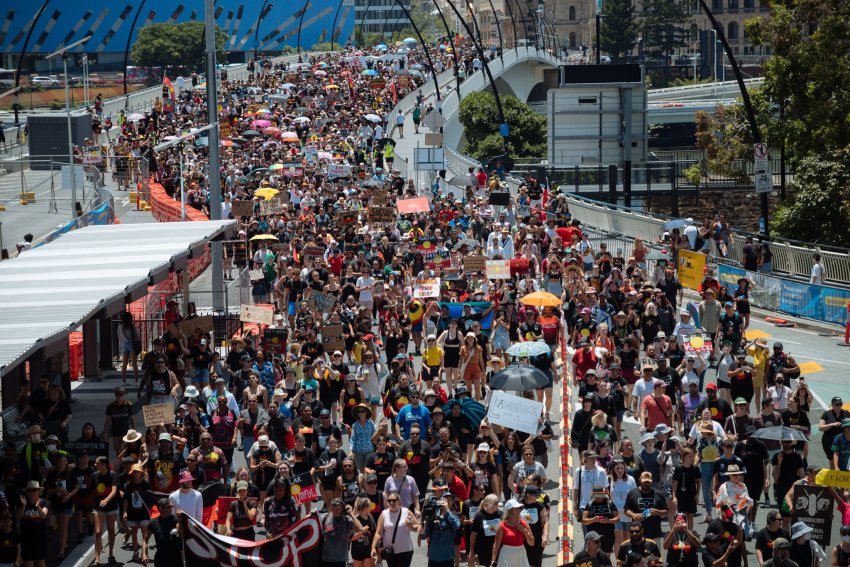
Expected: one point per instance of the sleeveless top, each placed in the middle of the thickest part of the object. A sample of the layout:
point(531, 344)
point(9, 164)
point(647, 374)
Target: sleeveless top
point(512, 536)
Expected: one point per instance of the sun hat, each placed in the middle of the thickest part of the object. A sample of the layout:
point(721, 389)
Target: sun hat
point(799, 529)
point(483, 448)
point(164, 437)
point(186, 476)
point(512, 504)
point(132, 436)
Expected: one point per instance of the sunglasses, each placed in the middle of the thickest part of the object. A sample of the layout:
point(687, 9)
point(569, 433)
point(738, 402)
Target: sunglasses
point(392, 500)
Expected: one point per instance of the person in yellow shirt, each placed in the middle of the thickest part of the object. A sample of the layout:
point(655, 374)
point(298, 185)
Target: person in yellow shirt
point(760, 353)
point(432, 360)
point(358, 349)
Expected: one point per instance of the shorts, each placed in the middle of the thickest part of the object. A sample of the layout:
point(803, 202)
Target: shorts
point(721, 385)
point(622, 525)
point(430, 373)
point(416, 327)
point(290, 309)
point(374, 400)
point(127, 349)
point(66, 512)
point(137, 523)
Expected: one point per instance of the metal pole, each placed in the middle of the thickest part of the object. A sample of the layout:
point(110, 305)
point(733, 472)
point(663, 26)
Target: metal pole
point(513, 22)
point(627, 146)
point(300, 23)
point(129, 38)
point(214, 174)
point(450, 35)
point(424, 48)
point(598, 38)
point(182, 189)
point(498, 29)
point(748, 106)
point(333, 26)
point(23, 52)
point(782, 153)
point(70, 141)
point(257, 27)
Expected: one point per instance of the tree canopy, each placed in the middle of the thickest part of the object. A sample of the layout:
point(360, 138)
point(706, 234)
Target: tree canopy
point(480, 119)
point(663, 23)
point(179, 46)
point(619, 32)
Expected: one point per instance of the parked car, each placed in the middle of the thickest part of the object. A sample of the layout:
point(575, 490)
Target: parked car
point(45, 82)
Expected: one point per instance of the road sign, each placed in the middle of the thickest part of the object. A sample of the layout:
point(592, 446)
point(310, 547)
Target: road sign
point(429, 159)
point(761, 171)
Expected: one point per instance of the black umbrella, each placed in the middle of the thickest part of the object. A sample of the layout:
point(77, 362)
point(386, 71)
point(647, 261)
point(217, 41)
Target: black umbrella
point(519, 378)
point(505, 162)
point(250, 134)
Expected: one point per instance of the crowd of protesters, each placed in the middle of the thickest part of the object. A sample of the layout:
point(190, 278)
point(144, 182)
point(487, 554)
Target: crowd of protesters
point(385, 424)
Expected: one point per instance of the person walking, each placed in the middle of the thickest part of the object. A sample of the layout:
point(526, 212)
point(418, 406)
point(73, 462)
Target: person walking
point(392, 541)
point(399, 122)
point(512, 535)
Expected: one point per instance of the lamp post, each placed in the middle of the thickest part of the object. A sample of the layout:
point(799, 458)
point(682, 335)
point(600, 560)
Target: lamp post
point(127, 47)
point(598, 37)
point(16, 102)
point(260, 17)
point(64, 53)
point(748, 107)
point(301, 23)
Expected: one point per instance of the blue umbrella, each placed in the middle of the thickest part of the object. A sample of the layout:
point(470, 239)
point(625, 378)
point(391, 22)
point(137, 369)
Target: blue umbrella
point(381, 46)
point(528, 349)
point(408, 40)
point(474, 411)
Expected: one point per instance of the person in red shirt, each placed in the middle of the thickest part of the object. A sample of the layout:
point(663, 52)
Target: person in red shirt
point(335, 261)
point(567, 232)
point(656, 409)
point(551, 326)
point(584, 359)
point(455, 485)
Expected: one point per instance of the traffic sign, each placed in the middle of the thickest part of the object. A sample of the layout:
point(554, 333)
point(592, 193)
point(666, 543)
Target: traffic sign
point(761, 170)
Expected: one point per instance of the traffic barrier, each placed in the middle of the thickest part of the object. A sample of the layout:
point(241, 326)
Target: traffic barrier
point(565, 530)
point(75, 356)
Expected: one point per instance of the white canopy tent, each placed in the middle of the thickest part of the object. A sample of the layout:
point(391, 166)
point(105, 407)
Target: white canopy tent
point(49, 291)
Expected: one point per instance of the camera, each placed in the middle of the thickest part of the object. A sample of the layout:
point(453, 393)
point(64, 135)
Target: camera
point(429, 508)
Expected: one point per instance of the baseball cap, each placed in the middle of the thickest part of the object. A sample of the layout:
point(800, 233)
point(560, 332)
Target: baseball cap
point(711, 387)
point(837, 400)
point(740, 401)
point(592, 535)
point(241, 485)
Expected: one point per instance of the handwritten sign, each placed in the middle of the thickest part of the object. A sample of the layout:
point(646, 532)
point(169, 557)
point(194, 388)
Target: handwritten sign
point(323, 302)
point(439, 257)
point(158, 413)
point(336, 170)
point(475, 263)
point(417, 205)
point(332, 338)
point(313, 251)
point(382, 214)
point(191, 326)
point(256, 314)
point(271, 207)
point(380, 196)
point(311, 153)
point(829, 477)
point(92, 155)
point(514, 412)
point(698, 343)
point(498, 270)
point(241, 209)
point(427, 288)
point(255, 275)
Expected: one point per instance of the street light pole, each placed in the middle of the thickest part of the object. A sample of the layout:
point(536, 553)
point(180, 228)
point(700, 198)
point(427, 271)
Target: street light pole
point(598, 37)
point(64, 53)
point(214, 174)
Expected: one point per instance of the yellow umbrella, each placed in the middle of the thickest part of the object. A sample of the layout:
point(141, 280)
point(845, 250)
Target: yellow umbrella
point(541, 299)
point(266, 192)
point(264, 237)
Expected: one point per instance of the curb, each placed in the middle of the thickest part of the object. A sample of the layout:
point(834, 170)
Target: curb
point(83, 554)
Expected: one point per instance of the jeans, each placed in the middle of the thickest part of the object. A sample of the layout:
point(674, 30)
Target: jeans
point(707, 472)
point(247, 443)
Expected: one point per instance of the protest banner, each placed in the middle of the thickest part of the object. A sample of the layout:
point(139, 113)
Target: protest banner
point(271, 207)
point(834, 478)
point(336, 170)
point(498, 270)
point(332, 338)
point(241, 209)
point(92, 448)
point(256, 314)
point(691, 268)
point(515, 412)
point(274, 341)
point(475, 263)
point(346, 217)
point(813, 506)
point(417, 205)
point(255, 275)
point(302, 488)
point(427, 288)
point(158, 413)
point(191, 326)
point(439, 257)
point(311, 153)
point(298, 546)
point(378, 288)
point(382, 214)
point(379, 197)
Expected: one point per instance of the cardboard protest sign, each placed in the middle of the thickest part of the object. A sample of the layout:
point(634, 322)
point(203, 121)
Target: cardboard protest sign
point(382, 214)
point(691, 268)
point(271, 207)
point(313, 251)
point(189, 326)
point(441, 258)
point(256, 314)
point(311, 153)
point(514, 412)
point(698, 343)
point(158, 413)
point(417, 205)
point(332, 338)
point(498, 270)
point(427, 288)
point(241, 209)
point(255, 275)
point(813, 506)
point(92, 155)
point(475, 263)
point(323, 302)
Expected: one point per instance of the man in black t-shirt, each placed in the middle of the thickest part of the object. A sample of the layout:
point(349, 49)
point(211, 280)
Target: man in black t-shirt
point(646, 505)
point(637, 544)
point(725, 527)
point(766, 536)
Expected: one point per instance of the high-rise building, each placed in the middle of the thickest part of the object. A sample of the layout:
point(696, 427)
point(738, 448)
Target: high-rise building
point(383, 17)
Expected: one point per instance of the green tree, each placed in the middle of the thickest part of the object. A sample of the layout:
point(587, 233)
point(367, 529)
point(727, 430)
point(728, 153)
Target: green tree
point(664, 26)
point(177, 46)
point(619, 28)
point(480, 118)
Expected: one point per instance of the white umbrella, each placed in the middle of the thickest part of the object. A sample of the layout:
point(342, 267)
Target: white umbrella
point(135, 117)
point(373, 118)
point(301, 120)
point(408, 40)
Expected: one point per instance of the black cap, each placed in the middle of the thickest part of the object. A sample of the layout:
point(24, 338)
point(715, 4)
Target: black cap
point(588, 397)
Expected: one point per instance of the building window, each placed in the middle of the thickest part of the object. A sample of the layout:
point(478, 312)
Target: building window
point(733, 4)
point(694, 33)
point(572, 13)
point(573, 43)
point(733, 31)
point(749, 5)
point(716, 5)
